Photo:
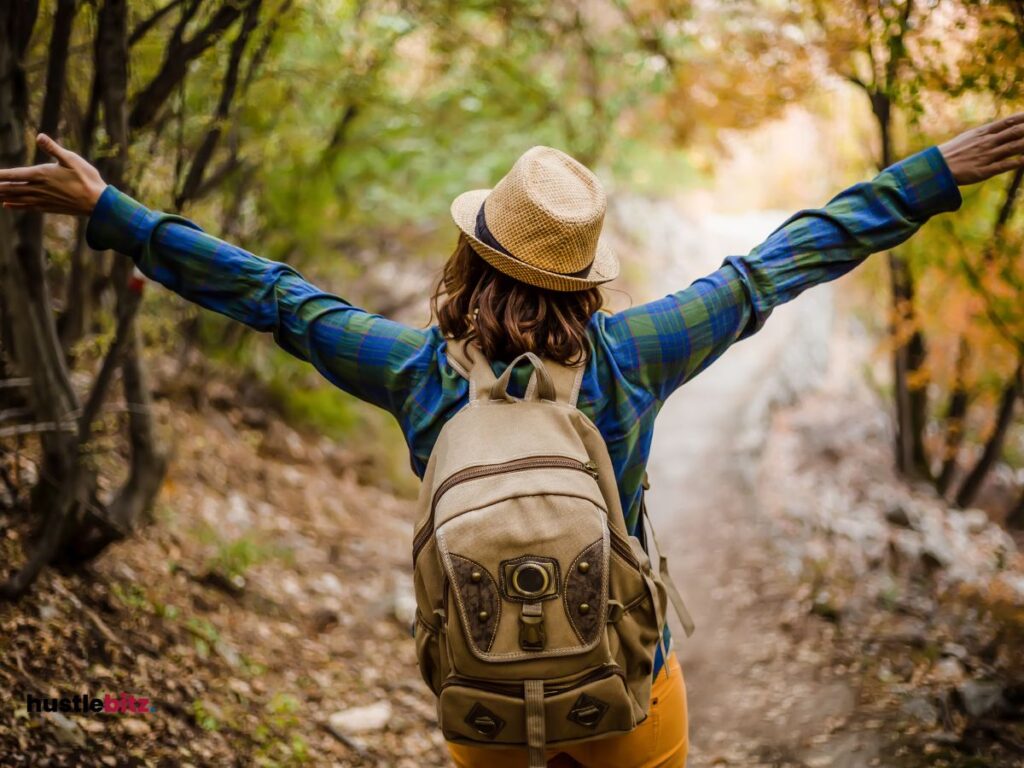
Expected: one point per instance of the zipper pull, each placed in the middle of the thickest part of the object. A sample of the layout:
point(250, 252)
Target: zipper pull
point(591, 469)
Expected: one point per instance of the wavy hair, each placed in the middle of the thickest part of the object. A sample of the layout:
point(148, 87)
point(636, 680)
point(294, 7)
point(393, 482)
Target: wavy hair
point(473, 300)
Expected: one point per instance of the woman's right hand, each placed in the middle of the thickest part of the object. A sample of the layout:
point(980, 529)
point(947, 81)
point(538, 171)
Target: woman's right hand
point(986, 151)
point(71, 185)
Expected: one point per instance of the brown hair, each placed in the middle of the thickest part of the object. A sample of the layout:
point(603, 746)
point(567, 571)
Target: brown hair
point(506, 317)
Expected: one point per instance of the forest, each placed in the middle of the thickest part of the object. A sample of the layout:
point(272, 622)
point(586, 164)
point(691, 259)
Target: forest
point(184, 507)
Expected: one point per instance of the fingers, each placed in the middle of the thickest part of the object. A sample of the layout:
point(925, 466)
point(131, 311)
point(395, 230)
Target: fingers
point(64, 156)
point(1006, 165)
point(42, 207)
point(999, 126)
point(23, 194)
point(1011, 134)
point(28, 201)
point(14, 190)
point(29, 173)
point(1007, 149)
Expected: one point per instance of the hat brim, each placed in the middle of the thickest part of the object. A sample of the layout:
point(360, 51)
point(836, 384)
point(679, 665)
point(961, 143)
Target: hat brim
point(604, 268)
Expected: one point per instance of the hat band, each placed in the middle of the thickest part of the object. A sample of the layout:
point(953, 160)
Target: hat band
point(483, 233)
point(485, 236)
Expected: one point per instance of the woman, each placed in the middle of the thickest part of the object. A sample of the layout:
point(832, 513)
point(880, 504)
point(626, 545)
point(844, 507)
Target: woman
point(525, 276)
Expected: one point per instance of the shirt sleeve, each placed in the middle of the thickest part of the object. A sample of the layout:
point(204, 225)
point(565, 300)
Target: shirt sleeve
point(660, 345)
point(364, 354)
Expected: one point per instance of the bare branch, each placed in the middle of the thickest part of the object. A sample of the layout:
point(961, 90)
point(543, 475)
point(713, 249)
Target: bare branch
point(143, 27)
point(179, 54)
point(206, 149)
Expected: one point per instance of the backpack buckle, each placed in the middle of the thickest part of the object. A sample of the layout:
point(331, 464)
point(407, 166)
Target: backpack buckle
point(531, 627)
point(616, 610)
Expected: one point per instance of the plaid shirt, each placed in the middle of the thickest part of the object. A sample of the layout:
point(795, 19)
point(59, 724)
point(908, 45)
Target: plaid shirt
point(640, 356)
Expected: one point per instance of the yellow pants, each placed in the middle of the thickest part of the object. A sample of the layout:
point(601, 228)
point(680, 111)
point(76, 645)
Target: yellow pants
point(660, 741)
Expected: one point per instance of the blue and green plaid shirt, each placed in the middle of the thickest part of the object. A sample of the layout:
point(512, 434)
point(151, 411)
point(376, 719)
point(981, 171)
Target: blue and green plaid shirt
point(640, 356)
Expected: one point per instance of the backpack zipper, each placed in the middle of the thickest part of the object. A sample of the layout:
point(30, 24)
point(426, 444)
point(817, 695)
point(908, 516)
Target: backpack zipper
point(486, 470)
point(514, 690)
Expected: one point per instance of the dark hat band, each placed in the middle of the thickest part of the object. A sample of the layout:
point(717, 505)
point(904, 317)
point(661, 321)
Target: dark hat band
point(482, 233)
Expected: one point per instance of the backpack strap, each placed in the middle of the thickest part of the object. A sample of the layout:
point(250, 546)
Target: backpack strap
point(533, 698)
point(666, 577)
point(469, 362)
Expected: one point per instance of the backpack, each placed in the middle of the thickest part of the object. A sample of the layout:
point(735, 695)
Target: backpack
point(538, 615)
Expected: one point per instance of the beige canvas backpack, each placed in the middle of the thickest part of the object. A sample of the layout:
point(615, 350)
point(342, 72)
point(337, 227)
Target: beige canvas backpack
point(538, 615)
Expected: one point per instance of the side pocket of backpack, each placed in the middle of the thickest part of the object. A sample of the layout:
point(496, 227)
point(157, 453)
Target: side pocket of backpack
point(634, 632)
point(428, 653)
point(430, 586)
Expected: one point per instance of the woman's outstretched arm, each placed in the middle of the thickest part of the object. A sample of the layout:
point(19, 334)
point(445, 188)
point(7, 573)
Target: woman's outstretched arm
point(365, 354)
point(660, 345)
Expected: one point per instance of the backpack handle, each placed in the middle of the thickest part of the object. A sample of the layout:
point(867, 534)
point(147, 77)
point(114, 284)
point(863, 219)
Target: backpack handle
point(545, 389)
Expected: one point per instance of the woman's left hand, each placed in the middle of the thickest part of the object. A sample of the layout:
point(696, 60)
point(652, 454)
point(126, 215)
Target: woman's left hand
point(71, 185)
point(986, 151)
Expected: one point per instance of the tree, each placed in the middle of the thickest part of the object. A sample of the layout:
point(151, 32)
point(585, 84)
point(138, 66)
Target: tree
point(74, 522)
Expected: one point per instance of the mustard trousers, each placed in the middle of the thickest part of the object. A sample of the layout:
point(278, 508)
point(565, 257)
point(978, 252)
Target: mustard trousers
point(660, 741)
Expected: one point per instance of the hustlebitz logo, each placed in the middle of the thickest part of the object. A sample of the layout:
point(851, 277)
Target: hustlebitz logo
point(86, 704)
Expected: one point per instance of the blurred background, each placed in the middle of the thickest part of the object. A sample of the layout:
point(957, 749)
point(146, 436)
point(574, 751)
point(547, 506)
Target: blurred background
point(190, 515)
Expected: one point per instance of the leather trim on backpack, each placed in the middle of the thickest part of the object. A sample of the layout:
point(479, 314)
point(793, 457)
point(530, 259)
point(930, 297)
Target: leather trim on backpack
point(480, 596)
point(585, 588)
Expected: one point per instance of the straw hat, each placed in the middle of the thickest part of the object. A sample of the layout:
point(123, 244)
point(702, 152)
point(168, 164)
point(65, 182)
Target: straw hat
point(541, 223)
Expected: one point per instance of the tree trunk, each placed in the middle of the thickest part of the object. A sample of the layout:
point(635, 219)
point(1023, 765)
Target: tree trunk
point(64, 485)
point(958, 401)
point(909, 355)
point(148, 463)
point(955, 413)
point(78, 300)
point(994, 445)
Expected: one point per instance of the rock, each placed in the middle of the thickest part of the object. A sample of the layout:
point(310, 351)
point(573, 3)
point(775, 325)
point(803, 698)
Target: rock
point(323, 619)
point(220, 395)
point(936, 554)
point(1009, 587)
point(282, 442)
point(944, 738)
point(238, 512)
point(348, 722)
point(48, 612)
point(826, 608)
point(136, 726)
point(254, 417)
point(228, 653)
point(948, 670)
point(65, 729)
point(921, 709)
point(897, 514)
point(980, 697)
point(329, 584)
point(972, 520)
point(955, 650)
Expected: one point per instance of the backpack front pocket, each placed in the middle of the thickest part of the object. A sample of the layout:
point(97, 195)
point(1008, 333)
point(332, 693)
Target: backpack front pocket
point(535, 586)
point(479, 712)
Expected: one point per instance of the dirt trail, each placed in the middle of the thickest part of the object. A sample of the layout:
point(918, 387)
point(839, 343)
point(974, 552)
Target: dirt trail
point(759, 694)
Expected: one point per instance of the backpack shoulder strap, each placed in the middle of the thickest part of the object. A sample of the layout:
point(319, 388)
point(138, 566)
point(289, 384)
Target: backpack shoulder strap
point(469, 362)
point(666, 577)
